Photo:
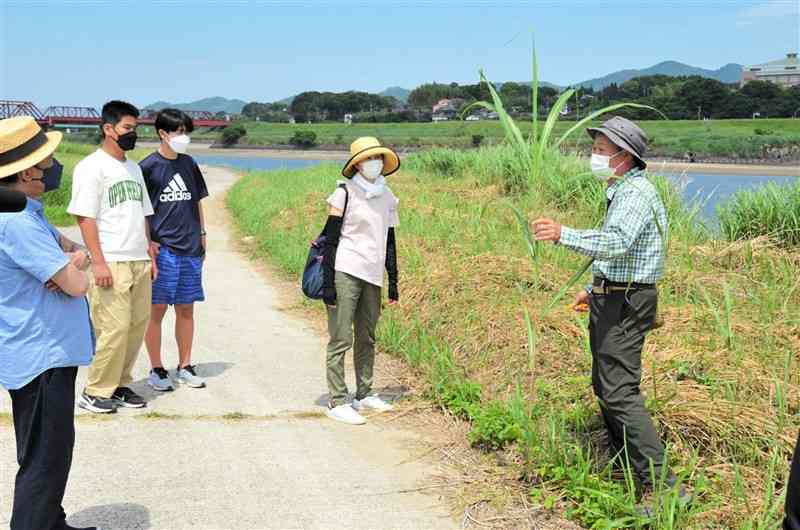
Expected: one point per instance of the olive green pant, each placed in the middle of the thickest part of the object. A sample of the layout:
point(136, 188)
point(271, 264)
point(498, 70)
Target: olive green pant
point(358, 307)
point(618, 325)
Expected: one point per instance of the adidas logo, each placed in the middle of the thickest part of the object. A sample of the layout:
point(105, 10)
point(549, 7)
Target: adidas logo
point(176, 190)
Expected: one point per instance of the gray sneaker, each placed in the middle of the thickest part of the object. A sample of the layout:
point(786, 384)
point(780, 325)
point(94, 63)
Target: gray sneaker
point(188, 377)
point(160, 381)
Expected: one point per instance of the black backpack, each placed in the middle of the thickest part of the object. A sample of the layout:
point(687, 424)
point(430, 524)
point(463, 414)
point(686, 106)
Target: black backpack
point(312, 280)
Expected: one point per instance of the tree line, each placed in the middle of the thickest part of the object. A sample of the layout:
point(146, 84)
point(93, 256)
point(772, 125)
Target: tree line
point(696, 97)
point(686, 97)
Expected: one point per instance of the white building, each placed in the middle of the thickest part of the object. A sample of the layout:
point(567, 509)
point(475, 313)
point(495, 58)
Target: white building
point(784, 72)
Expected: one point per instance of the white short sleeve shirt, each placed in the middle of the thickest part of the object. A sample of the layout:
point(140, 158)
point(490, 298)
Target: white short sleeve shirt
point(114, 194)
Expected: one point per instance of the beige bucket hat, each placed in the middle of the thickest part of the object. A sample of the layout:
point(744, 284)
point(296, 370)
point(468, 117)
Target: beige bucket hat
point(365, 147)
point(23, 144)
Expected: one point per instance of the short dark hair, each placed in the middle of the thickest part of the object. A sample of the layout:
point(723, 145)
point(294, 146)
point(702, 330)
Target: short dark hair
point(171, 120)
point(115, 110)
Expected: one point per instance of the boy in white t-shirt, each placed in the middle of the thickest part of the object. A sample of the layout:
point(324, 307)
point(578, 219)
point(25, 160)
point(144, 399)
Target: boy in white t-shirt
point(110, 202)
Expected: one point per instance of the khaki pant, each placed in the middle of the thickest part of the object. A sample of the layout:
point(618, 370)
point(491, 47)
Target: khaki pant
point(358, 305)
point(120, 314)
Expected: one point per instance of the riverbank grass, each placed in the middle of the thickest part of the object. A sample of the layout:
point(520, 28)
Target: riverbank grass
point(720, 375)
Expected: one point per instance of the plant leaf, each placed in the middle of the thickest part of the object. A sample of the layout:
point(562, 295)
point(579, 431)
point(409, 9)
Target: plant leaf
point(552, 118)
point(604, 110)
point(510, 127)
point(567, 286)
point(532, 244)
point(535, 94)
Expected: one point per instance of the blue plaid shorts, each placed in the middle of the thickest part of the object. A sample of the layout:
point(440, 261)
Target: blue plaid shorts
point(180, 279)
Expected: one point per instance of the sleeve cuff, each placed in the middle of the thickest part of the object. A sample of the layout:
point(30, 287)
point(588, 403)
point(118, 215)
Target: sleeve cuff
point(568, 236)
point(80, 213)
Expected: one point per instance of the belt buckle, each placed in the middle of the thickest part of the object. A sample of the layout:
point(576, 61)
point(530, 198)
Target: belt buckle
point(601, 287)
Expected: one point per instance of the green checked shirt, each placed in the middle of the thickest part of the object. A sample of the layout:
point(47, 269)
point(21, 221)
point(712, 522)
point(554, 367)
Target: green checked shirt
point(630, 247)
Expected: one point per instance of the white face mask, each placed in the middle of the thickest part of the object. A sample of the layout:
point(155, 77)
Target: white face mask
point(371, 169)
point(601, 166)
point(180, 143)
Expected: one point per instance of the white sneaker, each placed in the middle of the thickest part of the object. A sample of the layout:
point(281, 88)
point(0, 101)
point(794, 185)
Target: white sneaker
point(189, 377)
point(346, 414)
point(372, 402)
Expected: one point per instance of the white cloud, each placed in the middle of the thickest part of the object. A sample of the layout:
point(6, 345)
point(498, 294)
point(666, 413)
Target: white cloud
point(769, 9)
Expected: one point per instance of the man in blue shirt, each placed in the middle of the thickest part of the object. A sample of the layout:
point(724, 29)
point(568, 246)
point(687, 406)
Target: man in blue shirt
point(45, 330)
point(176, 187)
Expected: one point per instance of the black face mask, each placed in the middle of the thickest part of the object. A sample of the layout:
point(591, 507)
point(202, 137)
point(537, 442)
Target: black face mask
point(127, 141)
point(52, 176)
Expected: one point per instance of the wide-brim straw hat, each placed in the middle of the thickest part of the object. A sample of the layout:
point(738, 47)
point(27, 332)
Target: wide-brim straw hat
point(626, 135)
point(365, 147)
point(23, 144)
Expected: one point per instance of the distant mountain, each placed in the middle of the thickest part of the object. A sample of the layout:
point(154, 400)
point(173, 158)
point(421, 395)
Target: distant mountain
point(217, 104)
point(730, 73)
point(396, 92)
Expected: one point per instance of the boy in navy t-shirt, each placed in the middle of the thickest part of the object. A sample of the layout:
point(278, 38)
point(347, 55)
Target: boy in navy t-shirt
point(176, 187)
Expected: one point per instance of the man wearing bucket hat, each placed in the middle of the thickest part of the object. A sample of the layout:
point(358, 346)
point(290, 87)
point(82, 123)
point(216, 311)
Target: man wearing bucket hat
point(44, 335)
point(359, 245)
point(629, 252)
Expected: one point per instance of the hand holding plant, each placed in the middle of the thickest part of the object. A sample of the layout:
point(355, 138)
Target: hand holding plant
point(546, 230)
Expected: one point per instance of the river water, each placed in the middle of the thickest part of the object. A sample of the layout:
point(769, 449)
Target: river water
point(709, 190)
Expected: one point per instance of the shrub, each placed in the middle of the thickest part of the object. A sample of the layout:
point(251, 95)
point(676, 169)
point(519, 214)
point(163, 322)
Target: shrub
point(339, 139)
point(304, 139)
point(232, 135)
point(763, 132)
point(493, 427)
point(462, 398)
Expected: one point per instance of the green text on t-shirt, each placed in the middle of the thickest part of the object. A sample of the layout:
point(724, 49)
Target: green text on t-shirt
point(125, 190)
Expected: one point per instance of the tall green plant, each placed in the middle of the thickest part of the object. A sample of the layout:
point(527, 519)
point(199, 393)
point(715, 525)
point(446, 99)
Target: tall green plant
point(532, 151)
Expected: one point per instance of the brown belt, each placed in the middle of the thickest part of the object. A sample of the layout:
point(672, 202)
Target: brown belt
point(603, 286)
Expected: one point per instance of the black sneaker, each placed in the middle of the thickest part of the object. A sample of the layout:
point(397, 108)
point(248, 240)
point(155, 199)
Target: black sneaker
point(125, 397)
point(95, 404)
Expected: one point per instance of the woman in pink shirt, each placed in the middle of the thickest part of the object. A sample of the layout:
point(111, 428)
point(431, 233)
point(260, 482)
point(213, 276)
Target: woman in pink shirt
point(359, 245)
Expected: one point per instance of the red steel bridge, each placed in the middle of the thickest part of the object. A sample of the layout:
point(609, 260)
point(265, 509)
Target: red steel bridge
point(89, 116)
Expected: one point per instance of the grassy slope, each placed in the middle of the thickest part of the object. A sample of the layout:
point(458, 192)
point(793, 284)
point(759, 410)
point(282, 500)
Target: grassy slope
point(669, 138)
point(722, 383)
point(56, 202)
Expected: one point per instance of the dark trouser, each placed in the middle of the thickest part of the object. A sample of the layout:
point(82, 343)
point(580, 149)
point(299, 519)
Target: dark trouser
point(792, 521)
point(617, 328)
point(44, 424)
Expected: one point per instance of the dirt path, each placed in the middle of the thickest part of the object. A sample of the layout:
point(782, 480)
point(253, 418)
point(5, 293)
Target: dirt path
point(251, 451)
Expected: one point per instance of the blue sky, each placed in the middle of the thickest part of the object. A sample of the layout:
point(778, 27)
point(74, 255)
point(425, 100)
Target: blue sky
point(84, 52)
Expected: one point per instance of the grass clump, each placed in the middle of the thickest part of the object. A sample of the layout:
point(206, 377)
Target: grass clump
point(771, 210)
point(493, 426)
